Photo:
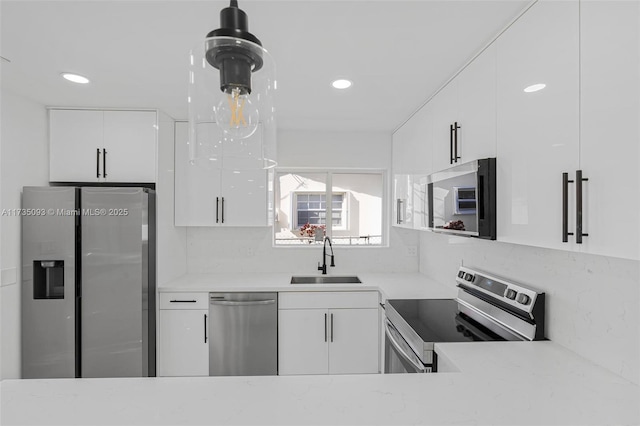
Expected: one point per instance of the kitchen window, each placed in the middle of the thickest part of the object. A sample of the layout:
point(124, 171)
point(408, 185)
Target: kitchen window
point(354, 215)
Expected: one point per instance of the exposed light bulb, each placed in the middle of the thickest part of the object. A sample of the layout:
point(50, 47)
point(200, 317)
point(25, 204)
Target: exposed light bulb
point(236, 115)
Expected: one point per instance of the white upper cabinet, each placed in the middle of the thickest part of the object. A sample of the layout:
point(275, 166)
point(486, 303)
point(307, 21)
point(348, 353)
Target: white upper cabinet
point(537, 132)
point(208, 196)
point(477, 108)
point(102, 146)
point(411, 158)
point(609, 126)
point(411, 145)
point(75, 145)
point(130, 146)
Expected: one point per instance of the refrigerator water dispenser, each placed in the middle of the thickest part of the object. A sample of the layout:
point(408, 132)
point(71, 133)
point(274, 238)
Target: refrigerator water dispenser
point(48, 279)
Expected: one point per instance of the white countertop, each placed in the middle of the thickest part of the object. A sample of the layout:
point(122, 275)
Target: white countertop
point(500, 383)
point(391, 285)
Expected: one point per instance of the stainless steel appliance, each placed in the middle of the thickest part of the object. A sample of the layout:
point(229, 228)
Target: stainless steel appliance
point(487, 308)
point(88, 282)
point(243, 334)
point(462, 199)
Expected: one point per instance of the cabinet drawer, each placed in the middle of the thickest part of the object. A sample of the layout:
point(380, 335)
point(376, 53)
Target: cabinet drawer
point(328, 300)
point(184, 300)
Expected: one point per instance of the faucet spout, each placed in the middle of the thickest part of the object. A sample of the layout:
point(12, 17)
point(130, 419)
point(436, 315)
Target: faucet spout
point(323, 267)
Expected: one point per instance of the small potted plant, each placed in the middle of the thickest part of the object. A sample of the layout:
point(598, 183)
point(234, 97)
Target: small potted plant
point(312, 232)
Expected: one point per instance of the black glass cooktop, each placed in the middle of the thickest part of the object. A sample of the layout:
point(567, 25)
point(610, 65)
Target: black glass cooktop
point(440, 320)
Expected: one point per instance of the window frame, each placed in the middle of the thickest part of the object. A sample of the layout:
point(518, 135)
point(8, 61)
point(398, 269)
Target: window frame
point(329, 172)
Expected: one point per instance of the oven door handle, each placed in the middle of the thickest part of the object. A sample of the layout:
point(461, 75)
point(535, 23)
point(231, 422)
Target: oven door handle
point(387, 330)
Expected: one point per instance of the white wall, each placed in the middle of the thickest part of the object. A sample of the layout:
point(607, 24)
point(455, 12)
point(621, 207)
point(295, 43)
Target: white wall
point(24, 161)
point(171, 241)
point(592, 301)
point(250, 249)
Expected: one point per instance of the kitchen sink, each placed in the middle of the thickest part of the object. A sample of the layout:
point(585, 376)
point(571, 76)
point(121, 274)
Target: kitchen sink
point(331, 279)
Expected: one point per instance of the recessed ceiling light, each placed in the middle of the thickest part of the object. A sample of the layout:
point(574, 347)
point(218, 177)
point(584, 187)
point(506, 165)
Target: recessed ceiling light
point(75, 78)
point(535, 87)
point(341, 84)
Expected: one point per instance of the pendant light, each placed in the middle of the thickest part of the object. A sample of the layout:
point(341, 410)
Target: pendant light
point(231, 90)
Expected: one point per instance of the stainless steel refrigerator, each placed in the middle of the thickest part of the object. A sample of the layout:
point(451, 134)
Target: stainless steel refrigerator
point(88, 282)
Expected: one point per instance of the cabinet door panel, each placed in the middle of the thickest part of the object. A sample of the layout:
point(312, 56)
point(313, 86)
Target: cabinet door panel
point(182, 347)
point(196, 186)
point(74, 137)
point(538, 131)
point(609, 127)
point(353, 341)
point(130, 142)
point(302, 341)
point(245, 197)
point(477, 108)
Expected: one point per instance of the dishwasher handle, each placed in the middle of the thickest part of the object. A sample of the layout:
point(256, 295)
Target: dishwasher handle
point(241, 303)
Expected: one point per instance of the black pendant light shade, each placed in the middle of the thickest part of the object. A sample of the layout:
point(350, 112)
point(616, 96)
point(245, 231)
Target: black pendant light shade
point(235, 62)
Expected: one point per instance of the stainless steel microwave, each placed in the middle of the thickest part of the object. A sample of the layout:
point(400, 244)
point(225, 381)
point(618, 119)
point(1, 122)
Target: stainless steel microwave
point(462, 199)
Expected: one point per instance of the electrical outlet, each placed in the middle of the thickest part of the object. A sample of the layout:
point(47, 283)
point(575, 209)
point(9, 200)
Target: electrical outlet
point(412, 251)
point(250, 251)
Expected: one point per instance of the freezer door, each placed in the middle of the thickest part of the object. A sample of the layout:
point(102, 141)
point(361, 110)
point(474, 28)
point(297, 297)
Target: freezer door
point(114, 247)
point(48, 282)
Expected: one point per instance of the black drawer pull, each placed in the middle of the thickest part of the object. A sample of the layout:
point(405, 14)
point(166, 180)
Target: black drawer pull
point(183, 301)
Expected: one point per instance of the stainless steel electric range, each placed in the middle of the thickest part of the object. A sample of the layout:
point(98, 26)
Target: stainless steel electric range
point(487, 308)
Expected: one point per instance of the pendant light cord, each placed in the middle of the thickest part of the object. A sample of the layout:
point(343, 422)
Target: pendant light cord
point(234, 3)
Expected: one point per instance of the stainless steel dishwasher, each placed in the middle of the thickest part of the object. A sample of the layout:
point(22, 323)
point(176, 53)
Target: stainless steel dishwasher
point(243, 334)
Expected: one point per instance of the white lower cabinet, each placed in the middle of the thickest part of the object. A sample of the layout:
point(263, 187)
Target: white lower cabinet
point(328, 333)
point(183, 347)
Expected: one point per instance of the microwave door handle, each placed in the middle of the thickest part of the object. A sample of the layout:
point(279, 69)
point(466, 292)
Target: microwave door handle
point(399, 350)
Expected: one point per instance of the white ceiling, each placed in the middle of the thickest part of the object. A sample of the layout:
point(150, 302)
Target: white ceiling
point(398, 53)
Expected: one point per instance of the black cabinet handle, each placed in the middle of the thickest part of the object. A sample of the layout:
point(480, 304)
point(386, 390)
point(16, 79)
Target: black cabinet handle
point(565, 207)
point(205, 328)
point(222, 209)
point(104, 162)
point(399, 203)
point(455, 142)
point(97, 162)
point(325, 327)
point(451, 143)
point(579, 180)
point(217, 208)
point(182, 301)
point(331, 327)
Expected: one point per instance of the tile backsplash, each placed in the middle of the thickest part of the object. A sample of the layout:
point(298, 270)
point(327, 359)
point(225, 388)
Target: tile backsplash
point(592, 301)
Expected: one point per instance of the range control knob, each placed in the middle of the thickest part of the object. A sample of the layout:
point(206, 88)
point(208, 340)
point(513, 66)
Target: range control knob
point(511, 294)
point(523, 299)
point(460, 274)
point(468, 277)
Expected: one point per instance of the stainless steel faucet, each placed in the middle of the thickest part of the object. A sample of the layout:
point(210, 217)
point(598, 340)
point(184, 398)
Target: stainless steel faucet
point(323, 267)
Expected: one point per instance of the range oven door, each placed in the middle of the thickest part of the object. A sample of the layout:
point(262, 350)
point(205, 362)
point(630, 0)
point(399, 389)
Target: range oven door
point(398, 356)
